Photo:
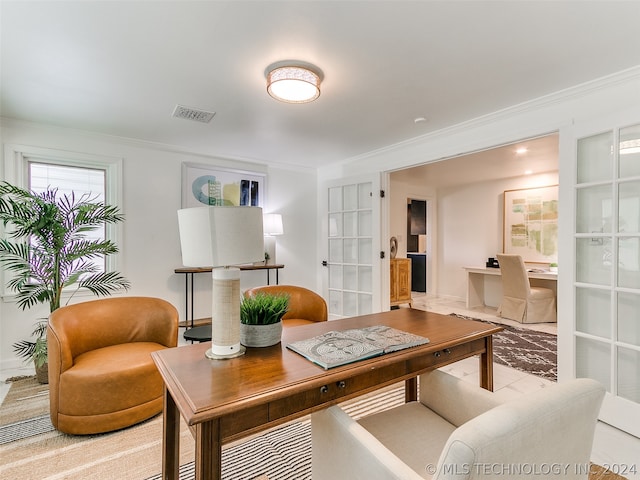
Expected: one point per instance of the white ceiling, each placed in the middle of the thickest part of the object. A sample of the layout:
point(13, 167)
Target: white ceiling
point(120, 68)
point(540, 156)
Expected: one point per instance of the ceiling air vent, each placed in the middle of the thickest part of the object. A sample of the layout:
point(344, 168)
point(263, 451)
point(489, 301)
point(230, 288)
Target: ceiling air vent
point(192, 114)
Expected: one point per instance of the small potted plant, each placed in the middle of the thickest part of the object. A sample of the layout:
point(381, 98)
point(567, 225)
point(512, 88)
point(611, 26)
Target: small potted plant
point(553, 267)
point(261, 319)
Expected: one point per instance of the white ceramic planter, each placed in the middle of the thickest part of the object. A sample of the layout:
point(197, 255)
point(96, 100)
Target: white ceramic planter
point(260, 335)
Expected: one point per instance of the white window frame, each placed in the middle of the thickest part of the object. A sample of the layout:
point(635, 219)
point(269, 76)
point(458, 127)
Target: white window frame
point(16, 171)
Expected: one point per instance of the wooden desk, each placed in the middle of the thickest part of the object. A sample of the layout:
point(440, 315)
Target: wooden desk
point(189, 272)
point(476, 277)
point(224, 400)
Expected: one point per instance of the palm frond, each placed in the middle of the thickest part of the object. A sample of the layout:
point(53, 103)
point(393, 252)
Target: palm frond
point(84, 248)
point(40, 329)
point(24, 348)
point(104, 283)
point(31, 294)
point(89, 215)
point(14, 256)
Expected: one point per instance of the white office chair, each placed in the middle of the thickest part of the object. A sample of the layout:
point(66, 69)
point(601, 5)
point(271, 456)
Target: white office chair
point(520, 301)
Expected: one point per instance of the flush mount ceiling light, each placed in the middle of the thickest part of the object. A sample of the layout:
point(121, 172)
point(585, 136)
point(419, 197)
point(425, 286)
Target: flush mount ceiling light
point(293, 84)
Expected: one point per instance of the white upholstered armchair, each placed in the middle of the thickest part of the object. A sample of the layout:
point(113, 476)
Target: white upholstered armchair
point(520, 301)
point(459, 431)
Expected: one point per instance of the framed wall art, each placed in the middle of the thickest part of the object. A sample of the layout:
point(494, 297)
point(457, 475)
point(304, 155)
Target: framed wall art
point(530, 224)
point(204, 185)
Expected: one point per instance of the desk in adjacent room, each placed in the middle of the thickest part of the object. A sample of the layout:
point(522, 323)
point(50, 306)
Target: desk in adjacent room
point(478, 287)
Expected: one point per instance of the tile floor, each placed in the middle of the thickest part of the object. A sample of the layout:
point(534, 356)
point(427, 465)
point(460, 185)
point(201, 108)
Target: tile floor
point(611, 446)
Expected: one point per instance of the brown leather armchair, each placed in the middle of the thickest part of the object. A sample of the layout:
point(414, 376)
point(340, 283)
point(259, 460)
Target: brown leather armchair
point(305, 306)
point(101, 374)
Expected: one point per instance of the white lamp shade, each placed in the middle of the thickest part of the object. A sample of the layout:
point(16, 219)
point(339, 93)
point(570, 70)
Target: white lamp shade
point(272, 224)
point(221, 236)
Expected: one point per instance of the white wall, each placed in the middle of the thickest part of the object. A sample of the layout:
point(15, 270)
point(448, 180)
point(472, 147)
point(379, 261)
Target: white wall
point(150, 249)
point(469, 228)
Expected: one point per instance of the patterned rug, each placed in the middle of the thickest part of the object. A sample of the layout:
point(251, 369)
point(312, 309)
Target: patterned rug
point(25, 410)
point(524, 349)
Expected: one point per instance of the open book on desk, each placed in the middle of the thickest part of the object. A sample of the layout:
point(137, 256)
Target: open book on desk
point(336, 348)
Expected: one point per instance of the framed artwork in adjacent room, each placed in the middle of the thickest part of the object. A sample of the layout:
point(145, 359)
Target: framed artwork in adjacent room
point(530, 227)
point(204, 185)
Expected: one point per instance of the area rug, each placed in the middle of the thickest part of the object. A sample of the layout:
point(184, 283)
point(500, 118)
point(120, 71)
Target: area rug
point(524, 349)
point(25, 410)
point(31, 449)
point(134, 453)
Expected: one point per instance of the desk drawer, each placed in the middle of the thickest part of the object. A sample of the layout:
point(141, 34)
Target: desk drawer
point(371, 380)
point(445, 356)
point(334, 391)
point(243, 421)
point(301, 401)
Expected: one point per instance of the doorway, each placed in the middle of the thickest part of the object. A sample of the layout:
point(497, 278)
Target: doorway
point(464, 197)
point(417, 243)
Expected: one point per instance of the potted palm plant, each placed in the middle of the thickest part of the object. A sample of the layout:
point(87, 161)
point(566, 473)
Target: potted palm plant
point(261, 319)
point(47, 251)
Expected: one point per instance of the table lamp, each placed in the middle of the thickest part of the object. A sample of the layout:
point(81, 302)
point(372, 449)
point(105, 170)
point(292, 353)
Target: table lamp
point(222, 237)
point(272, 226)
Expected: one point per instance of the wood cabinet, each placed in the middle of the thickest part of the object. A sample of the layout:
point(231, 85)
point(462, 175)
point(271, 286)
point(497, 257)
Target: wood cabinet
point(400, 286)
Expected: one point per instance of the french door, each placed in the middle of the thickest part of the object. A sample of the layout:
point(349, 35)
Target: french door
point(605, 341)
point(351, 279)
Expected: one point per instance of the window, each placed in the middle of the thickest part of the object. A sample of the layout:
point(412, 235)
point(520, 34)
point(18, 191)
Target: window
point(76, 181)
point(68, 179)
point(99, 176)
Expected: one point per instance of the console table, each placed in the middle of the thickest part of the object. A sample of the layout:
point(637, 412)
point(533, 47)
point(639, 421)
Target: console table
point(189, 273)
point(224, 400)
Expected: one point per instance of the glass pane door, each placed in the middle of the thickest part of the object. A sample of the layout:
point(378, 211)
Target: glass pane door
point(353, 231)
point(607, 272)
